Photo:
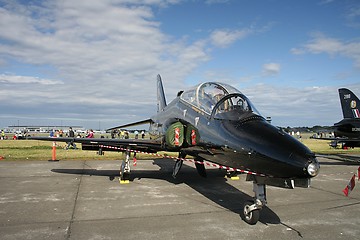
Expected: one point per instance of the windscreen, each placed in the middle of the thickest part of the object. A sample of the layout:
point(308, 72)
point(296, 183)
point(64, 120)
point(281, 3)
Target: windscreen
point(218, 100)
point(235, 106)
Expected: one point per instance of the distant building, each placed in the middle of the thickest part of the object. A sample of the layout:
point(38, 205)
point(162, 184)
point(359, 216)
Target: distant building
point(43, 129)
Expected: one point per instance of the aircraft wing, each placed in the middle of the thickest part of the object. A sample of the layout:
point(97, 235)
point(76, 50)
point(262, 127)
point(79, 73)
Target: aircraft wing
point(139, 144)
point(131, 124)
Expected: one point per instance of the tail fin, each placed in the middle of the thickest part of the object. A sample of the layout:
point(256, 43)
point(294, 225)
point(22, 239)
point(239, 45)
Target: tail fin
point(161, 101)
point(349, 103)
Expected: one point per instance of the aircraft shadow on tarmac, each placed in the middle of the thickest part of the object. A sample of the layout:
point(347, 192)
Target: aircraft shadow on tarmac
point(214, 187)
point(339, 163)
point(340, 159)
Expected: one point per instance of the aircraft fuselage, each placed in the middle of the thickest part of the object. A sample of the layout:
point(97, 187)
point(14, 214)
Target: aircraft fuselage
point(250, 143)
point(348, 127)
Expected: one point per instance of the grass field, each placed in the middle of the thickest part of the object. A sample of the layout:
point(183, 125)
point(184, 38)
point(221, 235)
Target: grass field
point(42, 150)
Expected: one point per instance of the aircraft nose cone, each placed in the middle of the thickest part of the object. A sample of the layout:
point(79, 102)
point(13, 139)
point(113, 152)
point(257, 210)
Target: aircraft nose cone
point(301, 156)
point(296, 156)
point(280, 154)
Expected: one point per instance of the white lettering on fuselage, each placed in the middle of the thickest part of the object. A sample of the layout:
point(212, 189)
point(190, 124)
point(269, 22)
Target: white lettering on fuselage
point(347, 96)
point(355, 129)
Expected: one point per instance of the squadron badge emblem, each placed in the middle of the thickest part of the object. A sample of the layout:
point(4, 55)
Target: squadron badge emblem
point(353, 104)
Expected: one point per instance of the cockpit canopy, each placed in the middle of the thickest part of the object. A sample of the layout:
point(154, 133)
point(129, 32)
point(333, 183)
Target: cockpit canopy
point(219, 100)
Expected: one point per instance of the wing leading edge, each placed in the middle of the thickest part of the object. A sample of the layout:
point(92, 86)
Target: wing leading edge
point(138, 144)
point(132, 124)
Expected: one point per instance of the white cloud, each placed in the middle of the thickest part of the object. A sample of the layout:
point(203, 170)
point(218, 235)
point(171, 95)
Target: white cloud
point(224, 37)
point(270, 69)
point(353, 16)
point(106, 53)
point(334, 47)
point(216, 1)
point(297, 51)
point(324, 2)
point(10, 79)
point(293, 106)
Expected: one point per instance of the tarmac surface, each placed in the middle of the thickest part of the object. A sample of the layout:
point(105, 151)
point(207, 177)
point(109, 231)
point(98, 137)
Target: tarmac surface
point(84, 200)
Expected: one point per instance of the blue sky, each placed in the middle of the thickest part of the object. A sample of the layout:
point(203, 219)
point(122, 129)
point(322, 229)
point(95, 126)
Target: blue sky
point(94, 63)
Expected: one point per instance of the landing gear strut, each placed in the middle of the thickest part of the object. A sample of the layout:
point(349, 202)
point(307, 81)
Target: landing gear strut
point(178, 164)
point(125, 168)
point(252, 209)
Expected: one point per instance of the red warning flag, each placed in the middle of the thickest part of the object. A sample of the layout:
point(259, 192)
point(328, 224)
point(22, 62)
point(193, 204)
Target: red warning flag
point(177, 137)
point(350, 186)
point(193, 137)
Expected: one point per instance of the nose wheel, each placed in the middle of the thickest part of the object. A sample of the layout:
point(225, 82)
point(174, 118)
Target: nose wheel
point(251, 213)
point(251, 210)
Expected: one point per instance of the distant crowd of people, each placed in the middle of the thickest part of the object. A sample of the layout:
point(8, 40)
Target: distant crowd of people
point(16, 136)
point(3, 136)
point(71, 133)
point(124, 134)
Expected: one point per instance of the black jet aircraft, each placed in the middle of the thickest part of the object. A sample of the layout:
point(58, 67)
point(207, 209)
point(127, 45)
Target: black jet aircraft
point(216, 123)
point(347, 131)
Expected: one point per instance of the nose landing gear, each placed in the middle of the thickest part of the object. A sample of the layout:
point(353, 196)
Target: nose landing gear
point(251, 210)
point(125, 168)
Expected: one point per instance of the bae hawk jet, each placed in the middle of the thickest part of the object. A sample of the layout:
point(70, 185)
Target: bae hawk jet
point(214, 122)
point(347, 131)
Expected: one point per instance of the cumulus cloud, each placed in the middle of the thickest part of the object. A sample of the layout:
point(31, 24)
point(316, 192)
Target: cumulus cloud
point(334, 47)
point(225, 37)
point(99, 57)
point(104, 57)
point(270, 69)
point(10, 79)
point(293, 106)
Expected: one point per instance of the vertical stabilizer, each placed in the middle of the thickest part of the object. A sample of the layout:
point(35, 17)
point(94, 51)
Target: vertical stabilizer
point(349, 103)
point(161, 101)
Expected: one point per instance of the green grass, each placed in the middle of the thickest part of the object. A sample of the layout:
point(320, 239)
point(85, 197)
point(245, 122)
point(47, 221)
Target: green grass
point(322, 146)
point(42, 150)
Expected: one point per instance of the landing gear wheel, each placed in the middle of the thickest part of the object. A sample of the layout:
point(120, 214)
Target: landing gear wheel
point(122, 168)
point(251, 217)
point(125, 176)
point(177, 168)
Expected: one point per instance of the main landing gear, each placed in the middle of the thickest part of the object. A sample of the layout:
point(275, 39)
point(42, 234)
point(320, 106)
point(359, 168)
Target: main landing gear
point(125, 168)
point(178, 164)
point(252, 209)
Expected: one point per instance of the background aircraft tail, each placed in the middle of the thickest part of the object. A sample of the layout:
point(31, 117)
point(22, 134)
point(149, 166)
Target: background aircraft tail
point(161, 101)
point(349, 103)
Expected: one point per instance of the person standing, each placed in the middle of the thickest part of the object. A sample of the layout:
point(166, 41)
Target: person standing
point(136, 134)
point(90, 134)
point(71, 134)
point(112, 134)
point(122, 134)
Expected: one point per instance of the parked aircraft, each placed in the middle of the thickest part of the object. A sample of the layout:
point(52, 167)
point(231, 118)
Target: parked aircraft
point(215, 122)
point(347, 131)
